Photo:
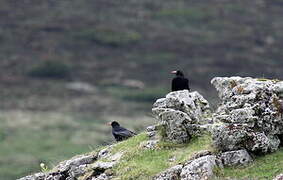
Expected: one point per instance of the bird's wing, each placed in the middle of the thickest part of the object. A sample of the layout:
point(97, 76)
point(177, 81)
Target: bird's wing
point(123, 132)
point(187, 84)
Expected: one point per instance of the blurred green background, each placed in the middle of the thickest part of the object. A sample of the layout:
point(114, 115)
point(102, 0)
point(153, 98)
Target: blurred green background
point(67, 67)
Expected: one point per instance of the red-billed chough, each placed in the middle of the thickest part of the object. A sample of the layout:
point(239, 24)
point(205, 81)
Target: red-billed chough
point(119, 132)
point(179, 82)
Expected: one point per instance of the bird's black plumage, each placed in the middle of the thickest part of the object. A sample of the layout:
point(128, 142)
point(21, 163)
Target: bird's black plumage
point(120, 133)
point(179, 82)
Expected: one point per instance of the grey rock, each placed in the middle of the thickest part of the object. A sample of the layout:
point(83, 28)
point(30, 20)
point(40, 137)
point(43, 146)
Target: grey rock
point(102, 176)
point(180, 113)
point(152, 132)
point(235, 136)
point(76, 171)
point(151, 128)
point(200, 168)
point(37, 176)
point(151, 144)
point(172, 173)
point(279, 177)
point(115, 157)
point(235, 158)
point(229, 137)
point(103, 165)
point(69, 169)
point(251, 113)
point(200, 154)
point(104, 153)
point(100, 169)
point(175, 125)
point(76, 162)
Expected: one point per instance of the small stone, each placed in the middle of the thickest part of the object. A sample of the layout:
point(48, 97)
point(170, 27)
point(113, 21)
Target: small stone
point(151, 128)
point(104, 153)
point(151, 144)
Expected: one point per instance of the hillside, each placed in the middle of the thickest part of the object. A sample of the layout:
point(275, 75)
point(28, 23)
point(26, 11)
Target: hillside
point(121, 53)
point(191, 142)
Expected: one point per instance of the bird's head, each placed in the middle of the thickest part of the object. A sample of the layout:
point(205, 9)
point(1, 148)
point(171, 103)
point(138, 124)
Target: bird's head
point(178, 73)
point(113, 124)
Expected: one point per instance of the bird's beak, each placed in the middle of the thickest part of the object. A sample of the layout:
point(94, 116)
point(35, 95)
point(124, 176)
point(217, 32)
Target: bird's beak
point(108, 124)
point(173, 72)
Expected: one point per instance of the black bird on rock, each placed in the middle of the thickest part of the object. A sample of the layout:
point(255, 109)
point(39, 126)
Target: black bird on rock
point(179, 82)
point(119, 132)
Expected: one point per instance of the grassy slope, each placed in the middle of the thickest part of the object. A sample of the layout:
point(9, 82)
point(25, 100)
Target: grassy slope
point(138, 163)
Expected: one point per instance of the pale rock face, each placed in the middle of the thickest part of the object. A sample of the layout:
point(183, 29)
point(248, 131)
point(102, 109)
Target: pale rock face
point(180, 113)
point(37, 176)
point(172, 173)
point(279, 177)
point(250, 113)
point(235, 158)
point(198, 169)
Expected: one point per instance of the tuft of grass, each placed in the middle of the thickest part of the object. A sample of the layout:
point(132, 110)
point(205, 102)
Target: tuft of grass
point(130, 144)
point(263, 167)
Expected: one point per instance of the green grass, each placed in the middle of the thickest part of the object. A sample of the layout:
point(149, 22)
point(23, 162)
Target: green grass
point(139, 163)
point(263, 167)
point(142, 164)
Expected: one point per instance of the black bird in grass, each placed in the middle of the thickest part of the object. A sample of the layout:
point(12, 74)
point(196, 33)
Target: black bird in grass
point(179, 82)
point(119, 132)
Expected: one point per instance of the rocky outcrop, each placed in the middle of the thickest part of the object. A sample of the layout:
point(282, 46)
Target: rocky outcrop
point(181, 113)
point(69, 169)
point(96, 165)
point(250, 114)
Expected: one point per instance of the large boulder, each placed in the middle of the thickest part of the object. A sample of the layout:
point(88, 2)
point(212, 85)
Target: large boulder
point(235, 158)
point(180, 113)
point(250, 114)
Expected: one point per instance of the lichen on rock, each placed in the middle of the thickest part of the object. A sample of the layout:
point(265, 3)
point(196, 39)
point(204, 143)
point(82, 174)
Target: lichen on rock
point(250, 113)
point(180, 113)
